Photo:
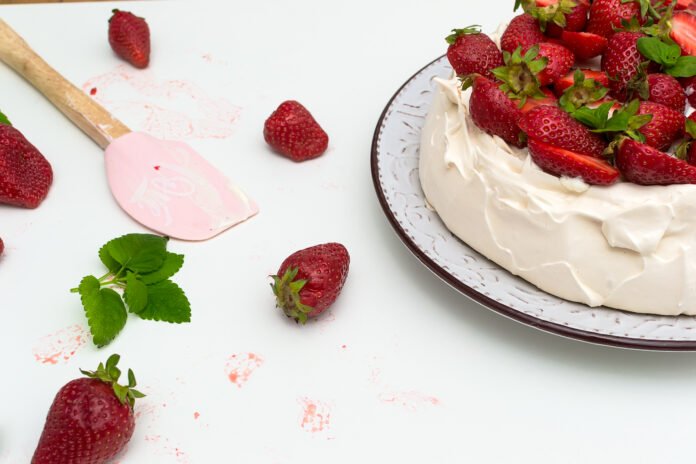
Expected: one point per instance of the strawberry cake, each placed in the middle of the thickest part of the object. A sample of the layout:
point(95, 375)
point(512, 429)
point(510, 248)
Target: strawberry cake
point(561, 150)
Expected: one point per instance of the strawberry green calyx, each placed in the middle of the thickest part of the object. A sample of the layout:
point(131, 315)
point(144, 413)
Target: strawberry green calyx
point(287, 292)
point(4, 120)
point(646, 8)
point(683, 149)
point(109, 373)
point(583, 92)
point(456, 33)
point(553, 13)
point(520, 74)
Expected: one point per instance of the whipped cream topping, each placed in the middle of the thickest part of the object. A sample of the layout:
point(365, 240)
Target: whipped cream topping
point(624, 246)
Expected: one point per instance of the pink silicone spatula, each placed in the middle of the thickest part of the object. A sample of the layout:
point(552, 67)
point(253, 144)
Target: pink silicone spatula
point(164, 185)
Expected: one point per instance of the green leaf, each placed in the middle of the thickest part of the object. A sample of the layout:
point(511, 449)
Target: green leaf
point(456, 33)
point(106, 313)
point(166, 302)
point(135, 293)
point(139, 253)
point(106, 258)
point(659, 51)
point(172, 264)
point(691, 128)
point(684, 67)
point(4, 120)
point(594, 118)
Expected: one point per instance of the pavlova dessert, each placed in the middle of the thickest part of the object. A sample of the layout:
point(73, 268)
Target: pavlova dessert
point(563, 151)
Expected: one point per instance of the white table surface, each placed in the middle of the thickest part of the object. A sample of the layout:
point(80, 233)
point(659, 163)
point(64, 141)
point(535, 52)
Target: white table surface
point(403, 368)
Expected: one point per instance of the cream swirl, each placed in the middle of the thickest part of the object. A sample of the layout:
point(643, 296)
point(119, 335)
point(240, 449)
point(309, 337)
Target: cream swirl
point(625, 246)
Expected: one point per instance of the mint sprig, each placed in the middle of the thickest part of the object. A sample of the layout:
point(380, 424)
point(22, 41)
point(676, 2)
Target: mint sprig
point(668, 55)
point(139, 267)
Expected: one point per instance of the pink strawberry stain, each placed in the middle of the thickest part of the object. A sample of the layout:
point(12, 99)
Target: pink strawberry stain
point(93, 91)
point(60, 346)
point(241, 366)
point(157, 168)
point(343, 346)
point(412, 400)
point(196, 415)
point(168, 109)
point(316, 416)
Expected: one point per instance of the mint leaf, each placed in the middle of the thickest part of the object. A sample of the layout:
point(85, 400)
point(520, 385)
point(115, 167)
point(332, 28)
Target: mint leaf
point(104, 308)
point(172, 264)
point(135, 293)
point(659, 51)
point(595, 118)
point(139, 253)
point(685, 66)
point(166, 302)
point(106, 258)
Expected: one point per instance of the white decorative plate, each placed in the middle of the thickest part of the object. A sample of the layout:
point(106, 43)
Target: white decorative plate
point(395, 150)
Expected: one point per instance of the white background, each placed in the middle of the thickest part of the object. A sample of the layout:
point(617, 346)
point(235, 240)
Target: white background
point(425, 376)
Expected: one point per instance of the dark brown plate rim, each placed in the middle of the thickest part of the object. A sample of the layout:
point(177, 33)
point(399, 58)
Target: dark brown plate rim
point(557, 329)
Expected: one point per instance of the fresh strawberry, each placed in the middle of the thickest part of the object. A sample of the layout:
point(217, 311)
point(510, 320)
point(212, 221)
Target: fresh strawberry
point(642, 164)
point(25, 175)
point(523, 31)
point(555, 16)
point(560, 162)
point(568, 80)
point(91, 419)
point(549, 100)
point(494, 112)
point(665, 89)
point(584, 45)
point(129, 36)
point(471, 52)
point(560, 61)
point(684, 31)
point(553, 126)
point(665, 127)
point(605, 15)
point(310, 280)
point(621, 62)
point(292, 131)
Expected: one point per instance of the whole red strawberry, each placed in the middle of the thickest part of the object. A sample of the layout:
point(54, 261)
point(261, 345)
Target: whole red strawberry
point(523, 31)
point(556, 16)
point(665, 127)
point(560, 61)
point(471, 52)
point(575, 20)
point(129, 36)
point(553, 126)
point(292, 131)
point(605, 15)
point(642, 164)
point(310, 280)
point(25, 175)
point(494, 112)
point(560, 162)
point(621, 62)
point(666, 90)
point(91, 419)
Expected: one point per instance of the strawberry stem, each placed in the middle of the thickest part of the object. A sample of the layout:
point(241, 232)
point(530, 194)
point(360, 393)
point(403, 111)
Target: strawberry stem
point(110, 374)
point(287, 292)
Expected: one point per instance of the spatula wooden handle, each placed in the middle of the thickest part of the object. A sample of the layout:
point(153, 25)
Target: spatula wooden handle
point(83, 111)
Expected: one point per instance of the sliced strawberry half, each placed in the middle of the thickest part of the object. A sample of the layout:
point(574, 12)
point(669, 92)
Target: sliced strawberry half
point(642, 164)
point(560, 162)
point(549, 100)
point(568, 80)
point(684, 32)
point(584, 45)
